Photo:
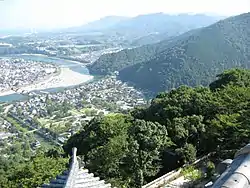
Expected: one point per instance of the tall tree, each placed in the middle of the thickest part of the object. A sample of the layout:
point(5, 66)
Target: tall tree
point(146, 142)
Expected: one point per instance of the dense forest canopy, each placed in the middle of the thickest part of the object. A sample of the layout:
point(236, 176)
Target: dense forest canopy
point(179, 126)
point(29, 171)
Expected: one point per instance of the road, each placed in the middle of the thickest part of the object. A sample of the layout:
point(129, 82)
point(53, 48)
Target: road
point(7, 108)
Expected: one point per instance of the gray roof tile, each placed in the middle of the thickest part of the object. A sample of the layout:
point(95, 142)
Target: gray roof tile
point(76, 177)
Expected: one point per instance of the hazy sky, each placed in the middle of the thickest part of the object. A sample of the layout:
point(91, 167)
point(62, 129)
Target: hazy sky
point(63, 13)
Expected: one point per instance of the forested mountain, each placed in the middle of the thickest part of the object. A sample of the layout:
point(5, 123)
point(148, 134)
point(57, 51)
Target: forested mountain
point(196, 59)
point(110, 62)
point(193, 58)
point(151, 38)
point(152, 33)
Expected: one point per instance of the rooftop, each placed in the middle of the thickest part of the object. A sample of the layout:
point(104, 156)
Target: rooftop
point(76, 177)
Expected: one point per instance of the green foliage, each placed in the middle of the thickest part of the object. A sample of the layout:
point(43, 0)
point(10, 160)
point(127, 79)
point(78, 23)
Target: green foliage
point(187, 153)
point(203, 117)
point(146, 142)
point(186, 129)
point(97, 133)
point(185, 122)
point(121, 149)
point(15, 124)
point(30, 173)
point(38, 171)
point(192, 174)
point(235, 77)
point(108, 63)
point(60, 110)
point(103, 144)
point(210, 169)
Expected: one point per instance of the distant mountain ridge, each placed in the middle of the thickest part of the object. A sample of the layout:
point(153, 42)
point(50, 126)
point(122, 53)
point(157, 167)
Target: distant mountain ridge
point(147, 26)
point(154, 19)
point(157, 22)
point(193, 58)
point(98, 25)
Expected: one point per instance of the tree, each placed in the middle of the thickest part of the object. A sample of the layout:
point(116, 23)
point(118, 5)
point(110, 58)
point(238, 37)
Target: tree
point(18, 172)
point(65, 107)
point(236, 77)
point(187, 129)
point(146, 142)
point(103, 144)
point(121, 149)
point(187, 153)
point(38, 171)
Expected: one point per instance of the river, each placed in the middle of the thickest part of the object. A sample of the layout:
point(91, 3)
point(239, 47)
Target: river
point(74, 66)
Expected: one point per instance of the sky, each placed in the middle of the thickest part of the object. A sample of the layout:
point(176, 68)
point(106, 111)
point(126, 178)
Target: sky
point(67, 13)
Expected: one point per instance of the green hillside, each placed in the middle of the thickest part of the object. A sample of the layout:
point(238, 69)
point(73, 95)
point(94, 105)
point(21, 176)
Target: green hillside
point(108, 63)
point(146, 31)
point(197, 58)
point(193, 58)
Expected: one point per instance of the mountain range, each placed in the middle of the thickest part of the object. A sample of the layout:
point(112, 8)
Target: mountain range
point(193, 58)
point(98, 25)
point(149, 28)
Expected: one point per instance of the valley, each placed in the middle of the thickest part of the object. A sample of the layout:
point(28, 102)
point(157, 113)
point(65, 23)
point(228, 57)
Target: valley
point(138, 97)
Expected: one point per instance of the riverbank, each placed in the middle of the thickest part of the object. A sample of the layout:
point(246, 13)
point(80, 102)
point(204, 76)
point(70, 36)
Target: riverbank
point(66, 78)
point(56, 58)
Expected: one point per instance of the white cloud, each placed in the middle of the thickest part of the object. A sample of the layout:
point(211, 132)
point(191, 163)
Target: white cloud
point(60, 13)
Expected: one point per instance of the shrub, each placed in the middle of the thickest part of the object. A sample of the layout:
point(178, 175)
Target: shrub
point(191, 173)
point(210, 169)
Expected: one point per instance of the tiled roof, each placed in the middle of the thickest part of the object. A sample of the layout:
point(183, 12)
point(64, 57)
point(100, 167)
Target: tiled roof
point(76, 177)
point(237, 175)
